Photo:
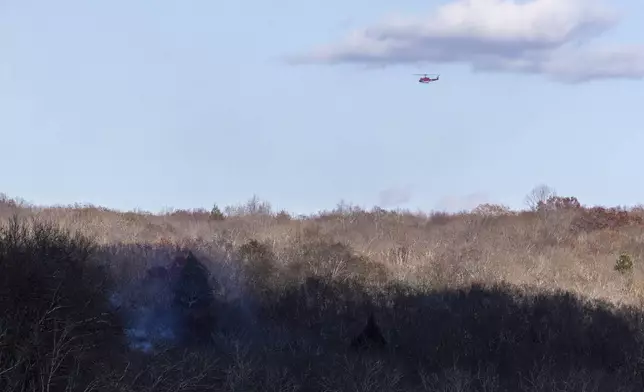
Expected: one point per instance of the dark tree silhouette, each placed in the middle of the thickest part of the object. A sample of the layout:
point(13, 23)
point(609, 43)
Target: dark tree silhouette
point(370, 337)
point(193, 300)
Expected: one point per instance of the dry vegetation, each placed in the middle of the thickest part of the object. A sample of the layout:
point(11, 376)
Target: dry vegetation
point(545, 299)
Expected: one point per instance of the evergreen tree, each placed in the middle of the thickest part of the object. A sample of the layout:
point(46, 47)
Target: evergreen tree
point(194, 302)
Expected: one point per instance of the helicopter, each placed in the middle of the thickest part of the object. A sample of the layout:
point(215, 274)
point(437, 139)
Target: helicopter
point(425, 79)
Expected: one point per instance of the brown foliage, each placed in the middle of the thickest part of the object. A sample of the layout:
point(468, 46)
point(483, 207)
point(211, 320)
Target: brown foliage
point(488, 209)
point(333, 260)
point(489, 300)
point(559, 203)
point(600, 218)
point(550, 245)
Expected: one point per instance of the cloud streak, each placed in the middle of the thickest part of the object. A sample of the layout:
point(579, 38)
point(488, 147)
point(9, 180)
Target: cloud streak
point(548, 37)
point(394, 196)
point(460, 203)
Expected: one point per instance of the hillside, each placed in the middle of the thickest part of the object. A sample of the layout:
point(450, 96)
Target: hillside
point(488, 300)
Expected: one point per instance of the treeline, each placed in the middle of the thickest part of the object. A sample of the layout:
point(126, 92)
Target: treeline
point(293, 325)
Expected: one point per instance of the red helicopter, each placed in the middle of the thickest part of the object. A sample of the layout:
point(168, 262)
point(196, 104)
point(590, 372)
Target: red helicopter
point(425, 79)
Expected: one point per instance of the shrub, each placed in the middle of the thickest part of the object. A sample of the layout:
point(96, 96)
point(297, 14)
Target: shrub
point(624, 263)
point(333, 260)
point(258, 263)
point(283, 217)
point(216, 214)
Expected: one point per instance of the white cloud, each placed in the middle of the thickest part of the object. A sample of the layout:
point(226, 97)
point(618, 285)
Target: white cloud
point(552, 37)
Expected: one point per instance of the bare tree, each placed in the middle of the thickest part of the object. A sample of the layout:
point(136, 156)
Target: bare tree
point(539, 194)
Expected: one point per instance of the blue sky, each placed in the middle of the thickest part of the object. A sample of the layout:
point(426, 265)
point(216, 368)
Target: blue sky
point(151, 104)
